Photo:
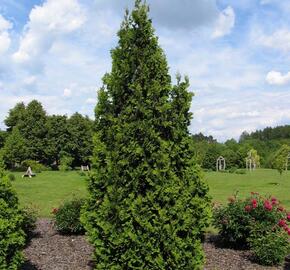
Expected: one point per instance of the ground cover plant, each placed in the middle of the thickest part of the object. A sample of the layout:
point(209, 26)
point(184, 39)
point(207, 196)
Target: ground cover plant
point(256, 222)
point(148, 206)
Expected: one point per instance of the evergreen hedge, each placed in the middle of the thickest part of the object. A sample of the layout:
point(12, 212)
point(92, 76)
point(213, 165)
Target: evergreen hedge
point(148, 206)
point(12, 237)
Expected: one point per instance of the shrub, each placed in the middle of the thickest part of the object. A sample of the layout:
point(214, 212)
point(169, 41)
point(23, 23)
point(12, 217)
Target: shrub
point(67, 217)
point(232, 223)
point(35, 166)
point(12, 237)
point(269, 247)
point(11, 177)
point(65, 163)
point(240, 171)
point(233, 169)
point(253, 223)
point(29, 216)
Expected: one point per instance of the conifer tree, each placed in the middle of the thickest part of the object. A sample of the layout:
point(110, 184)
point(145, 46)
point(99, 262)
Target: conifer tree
point(148, 206)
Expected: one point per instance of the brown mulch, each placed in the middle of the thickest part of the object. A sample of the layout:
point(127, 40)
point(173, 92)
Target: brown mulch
point(49, 250)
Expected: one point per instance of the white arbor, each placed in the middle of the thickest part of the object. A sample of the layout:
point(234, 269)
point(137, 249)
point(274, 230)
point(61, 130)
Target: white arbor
point(252, 160)
point(220, 164)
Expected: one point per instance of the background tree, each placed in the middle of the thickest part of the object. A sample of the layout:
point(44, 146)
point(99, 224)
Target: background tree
point(15, 150)
point(34, 131)
point(80, 144)
point(57, 138)
point(148, 206)
point(280, 158)
point(16, 117)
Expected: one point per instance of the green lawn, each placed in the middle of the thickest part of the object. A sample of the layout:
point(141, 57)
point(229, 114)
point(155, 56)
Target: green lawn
point(49, 189)
point(265, 181)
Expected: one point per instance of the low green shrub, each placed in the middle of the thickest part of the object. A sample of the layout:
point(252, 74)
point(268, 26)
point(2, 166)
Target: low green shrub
point(232, 223)
point(269, 247)
point(35, 165)
point(240, 171)
point(67, 217)
point(29, 215)
point(254, 223)
point(11, 177)
point(65, 163)
point(12, 237)
point(233, 169)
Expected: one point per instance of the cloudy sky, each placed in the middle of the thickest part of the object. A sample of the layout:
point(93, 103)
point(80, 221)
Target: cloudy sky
point(236, 53)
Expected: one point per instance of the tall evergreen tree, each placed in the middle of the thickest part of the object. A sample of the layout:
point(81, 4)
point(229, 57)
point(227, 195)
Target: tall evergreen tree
point(148, 205)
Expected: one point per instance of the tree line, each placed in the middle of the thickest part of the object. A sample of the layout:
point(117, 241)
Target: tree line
point(31, 134)
point(270, 143)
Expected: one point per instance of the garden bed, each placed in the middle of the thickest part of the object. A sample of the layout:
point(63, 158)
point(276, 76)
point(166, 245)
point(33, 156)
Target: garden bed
point(50, 251)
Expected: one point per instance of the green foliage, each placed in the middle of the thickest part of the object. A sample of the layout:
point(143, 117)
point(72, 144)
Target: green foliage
point(35, 166)
point(269, 248)
point(256, 222)
point(11, 234)
point(65, 163)
point(67, 217)
point(15, 150)
point(148, 206)
point(80, 142)
point(11, 177)
point(280, 158)
point(232, 223)
point(29, 215)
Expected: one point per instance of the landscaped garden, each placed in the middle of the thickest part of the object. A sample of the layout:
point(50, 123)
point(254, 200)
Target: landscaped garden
point(41, 192)
point(133, 188)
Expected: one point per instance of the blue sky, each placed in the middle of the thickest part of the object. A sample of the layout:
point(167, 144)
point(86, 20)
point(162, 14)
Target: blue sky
point(236, 54)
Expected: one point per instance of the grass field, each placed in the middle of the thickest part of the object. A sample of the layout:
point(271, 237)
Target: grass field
point(49, 189)
point(264, 181)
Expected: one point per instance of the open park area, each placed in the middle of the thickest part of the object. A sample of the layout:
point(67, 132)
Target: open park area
point(50, 188)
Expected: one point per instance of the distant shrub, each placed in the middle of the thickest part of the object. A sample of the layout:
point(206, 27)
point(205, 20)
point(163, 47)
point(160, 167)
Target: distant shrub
point(233, 169)
point(11, 177)
point(65, 163)
point(254, 223)
point(12, 237)
point(240, 171)
point(82, 173)
point(67, 217)
point(35, 166)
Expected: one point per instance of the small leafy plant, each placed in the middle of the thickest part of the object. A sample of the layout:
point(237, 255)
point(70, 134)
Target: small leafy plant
point(67, 217)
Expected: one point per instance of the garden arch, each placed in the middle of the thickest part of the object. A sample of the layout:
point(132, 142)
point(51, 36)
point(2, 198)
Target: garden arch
point(220, 164)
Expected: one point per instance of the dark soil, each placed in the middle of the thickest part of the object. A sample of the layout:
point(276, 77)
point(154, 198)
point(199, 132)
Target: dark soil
point(49, 250)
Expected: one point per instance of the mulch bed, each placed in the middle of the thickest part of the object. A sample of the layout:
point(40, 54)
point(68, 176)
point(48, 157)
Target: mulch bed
point(48, 250)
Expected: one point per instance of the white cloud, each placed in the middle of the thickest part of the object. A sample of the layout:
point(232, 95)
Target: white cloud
point(91, 101)
point(53, 19)
point(29, 80)
point(5, 40)
point(224, 23)
point(277, 78)
point(67, 92)
point(280, 40)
